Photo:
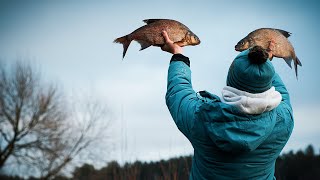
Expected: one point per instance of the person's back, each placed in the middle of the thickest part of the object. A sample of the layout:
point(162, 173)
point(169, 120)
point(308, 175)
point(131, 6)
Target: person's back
point(240, 135)
point(233, 145)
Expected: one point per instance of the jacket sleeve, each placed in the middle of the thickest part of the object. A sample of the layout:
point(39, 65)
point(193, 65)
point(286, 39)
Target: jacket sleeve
point(181, 99)
point(281, 88)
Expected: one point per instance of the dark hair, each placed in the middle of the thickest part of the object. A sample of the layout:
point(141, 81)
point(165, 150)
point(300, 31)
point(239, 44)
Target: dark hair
point(258, 55)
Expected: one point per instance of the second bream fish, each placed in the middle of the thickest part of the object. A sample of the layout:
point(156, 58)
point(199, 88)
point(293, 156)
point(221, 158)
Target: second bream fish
point(264, 36)
point(150, 34)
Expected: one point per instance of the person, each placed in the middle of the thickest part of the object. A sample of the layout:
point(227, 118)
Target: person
point(241, 134)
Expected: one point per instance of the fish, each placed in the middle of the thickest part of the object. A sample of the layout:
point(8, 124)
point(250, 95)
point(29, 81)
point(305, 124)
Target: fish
point(282, 48)
point(150, 34)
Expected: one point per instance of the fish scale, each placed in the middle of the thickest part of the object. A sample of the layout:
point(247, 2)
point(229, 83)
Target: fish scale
point(282, 49)
point(150, 34)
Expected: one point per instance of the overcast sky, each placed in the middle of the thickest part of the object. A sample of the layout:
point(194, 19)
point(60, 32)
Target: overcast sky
point(72, 43)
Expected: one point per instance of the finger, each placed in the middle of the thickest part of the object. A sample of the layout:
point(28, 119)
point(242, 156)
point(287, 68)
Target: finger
point(166, 37)
point(270, 46)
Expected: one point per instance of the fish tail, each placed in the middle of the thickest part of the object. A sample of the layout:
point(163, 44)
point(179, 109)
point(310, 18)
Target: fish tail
point(125, 41)
point(296, 63)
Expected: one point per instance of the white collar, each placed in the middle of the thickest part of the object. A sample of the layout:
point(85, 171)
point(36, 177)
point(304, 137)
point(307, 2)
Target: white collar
point(250, 103)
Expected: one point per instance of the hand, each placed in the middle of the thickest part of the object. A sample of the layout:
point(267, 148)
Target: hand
point(271, 48)
point(169, 45)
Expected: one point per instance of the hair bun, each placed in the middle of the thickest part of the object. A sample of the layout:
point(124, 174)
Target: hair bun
point(258, 55)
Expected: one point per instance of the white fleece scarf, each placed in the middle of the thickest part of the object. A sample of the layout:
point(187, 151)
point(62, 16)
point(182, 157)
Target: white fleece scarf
point(251, 103)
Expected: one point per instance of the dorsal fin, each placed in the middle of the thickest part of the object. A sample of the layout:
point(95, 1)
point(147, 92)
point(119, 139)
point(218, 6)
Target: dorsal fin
point(149, 21)
point(283, 32)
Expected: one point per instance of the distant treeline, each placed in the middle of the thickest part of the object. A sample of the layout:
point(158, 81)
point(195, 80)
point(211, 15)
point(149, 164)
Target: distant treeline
point(302, 165)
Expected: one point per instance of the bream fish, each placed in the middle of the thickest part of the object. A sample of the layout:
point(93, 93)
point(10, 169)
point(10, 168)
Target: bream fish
point(264, 36)
point(150, 34)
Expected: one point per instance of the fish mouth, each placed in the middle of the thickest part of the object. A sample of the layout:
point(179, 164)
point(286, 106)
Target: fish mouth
point(238, 49)
point(195, 40)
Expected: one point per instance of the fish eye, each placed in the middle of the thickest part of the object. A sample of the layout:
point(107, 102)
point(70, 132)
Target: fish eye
point(242, 43)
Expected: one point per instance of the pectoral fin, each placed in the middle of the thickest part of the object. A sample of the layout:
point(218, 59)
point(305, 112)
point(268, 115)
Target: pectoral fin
point(288, 61)
point(182, 43)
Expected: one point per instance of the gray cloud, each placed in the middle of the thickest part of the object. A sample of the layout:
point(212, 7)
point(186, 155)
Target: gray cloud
point(72, 42)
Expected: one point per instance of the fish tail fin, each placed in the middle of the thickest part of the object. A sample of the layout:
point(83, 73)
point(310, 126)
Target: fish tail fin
point(125, 41)
point(296, 63)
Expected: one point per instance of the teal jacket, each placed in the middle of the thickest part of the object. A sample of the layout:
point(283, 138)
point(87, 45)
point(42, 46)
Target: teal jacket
point(227, 143)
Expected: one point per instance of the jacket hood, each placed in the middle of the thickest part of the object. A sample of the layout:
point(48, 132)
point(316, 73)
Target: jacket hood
point(251, 103)
point(231, 129)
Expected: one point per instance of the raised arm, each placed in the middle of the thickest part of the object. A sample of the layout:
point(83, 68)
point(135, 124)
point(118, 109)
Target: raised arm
point(277, 82)
point(180, 97)
point(281, 88)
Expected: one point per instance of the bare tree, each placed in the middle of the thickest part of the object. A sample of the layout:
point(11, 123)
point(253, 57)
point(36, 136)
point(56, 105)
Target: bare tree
point(38, 128)
point(85, 136)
